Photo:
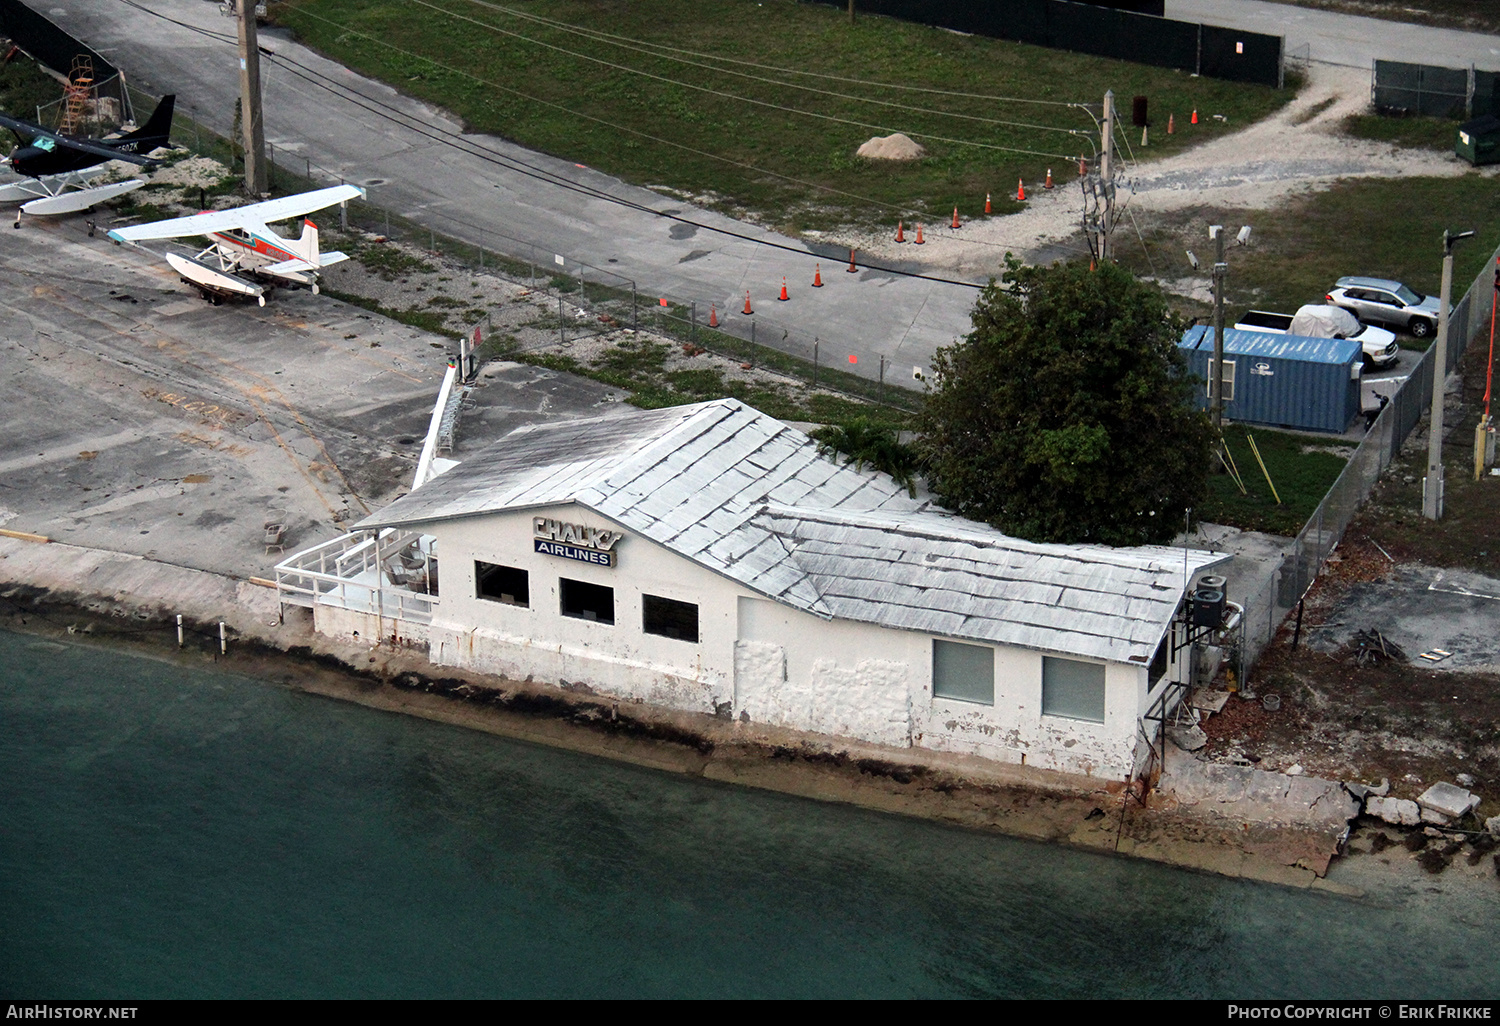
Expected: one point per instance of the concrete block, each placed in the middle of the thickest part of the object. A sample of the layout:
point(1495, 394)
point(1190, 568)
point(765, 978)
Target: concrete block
point(1447, 800)
point(1435, 818)
point(1395, 811)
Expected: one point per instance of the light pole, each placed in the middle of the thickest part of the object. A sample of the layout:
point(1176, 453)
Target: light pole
point(1216, 369)
point(1432, 484)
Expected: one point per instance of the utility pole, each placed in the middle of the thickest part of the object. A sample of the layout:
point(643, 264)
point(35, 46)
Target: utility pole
point(1216, 375)
point(1107, 172)
point(252, 127)
point(1432, 484)
point(851, 12)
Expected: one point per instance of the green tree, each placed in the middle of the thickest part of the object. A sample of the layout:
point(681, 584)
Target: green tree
point(1067, 414)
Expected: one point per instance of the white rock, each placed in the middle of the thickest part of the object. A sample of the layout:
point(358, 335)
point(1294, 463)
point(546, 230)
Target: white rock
point(1447, 800)
point(1435, 818)
point(1395, 811)
point(1464, 780)
point(1493, 826)
point(1294, 770)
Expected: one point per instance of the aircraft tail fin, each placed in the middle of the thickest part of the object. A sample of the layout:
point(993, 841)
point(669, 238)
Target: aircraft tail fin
point(307, 245)
point(157, 128)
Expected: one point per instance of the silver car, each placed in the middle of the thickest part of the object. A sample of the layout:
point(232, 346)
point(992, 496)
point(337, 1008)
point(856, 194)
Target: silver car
point(1382, 301)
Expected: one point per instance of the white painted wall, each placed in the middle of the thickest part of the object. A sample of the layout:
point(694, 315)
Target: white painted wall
point(756, 659)
point(539, 642)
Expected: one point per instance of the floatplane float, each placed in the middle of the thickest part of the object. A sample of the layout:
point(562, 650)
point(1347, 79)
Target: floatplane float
point(244, 257)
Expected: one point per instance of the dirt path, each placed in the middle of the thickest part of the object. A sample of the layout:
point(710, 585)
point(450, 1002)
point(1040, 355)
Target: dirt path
point(1301, 147)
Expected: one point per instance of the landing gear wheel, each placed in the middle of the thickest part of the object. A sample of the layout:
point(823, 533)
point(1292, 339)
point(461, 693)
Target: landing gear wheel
point(1420, 327)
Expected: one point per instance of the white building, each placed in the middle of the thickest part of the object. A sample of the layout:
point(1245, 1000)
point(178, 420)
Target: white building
point(707, 558)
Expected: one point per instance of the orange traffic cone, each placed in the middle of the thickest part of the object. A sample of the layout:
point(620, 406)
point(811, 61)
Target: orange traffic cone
point(817, 276)
point(852, 268)
point(1171, 125)
point(1092, 265)
point(747, 304)
point(713, 316)
point(1083, 167)
point(783, 297)
point(987, 209)
point(920, 240)
point(900, 234)
point(1020, 190)
point(1195, 115)
point(1048, 183)
point(955, 217)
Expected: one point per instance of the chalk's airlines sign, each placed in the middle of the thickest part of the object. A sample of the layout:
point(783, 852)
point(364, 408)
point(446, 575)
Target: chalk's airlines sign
point(574, 541)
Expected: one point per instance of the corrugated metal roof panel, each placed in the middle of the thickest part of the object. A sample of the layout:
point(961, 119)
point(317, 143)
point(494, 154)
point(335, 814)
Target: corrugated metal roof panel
point(695, 479)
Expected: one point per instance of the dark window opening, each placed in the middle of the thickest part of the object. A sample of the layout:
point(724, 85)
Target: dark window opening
point(669, 618)
point(587, 601)
point(502, 584)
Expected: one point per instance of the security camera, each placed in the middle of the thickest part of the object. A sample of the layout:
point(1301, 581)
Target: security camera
point(1192, 259)
point(1243, 238)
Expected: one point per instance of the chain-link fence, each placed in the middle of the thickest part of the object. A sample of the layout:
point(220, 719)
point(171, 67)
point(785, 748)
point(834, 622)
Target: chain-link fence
point(1325, 528)
point(1431, 91)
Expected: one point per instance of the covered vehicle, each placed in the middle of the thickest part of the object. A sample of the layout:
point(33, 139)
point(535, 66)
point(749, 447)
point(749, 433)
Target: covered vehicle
point(1377, 346)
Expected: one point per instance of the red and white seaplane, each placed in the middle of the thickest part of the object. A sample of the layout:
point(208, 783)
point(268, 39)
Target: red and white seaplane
point(245, 258)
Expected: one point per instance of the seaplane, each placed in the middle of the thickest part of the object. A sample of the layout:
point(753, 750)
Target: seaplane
point(244, 258)
point(59, 168)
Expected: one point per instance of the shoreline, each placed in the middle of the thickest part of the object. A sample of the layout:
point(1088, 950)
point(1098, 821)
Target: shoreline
point(126, 602)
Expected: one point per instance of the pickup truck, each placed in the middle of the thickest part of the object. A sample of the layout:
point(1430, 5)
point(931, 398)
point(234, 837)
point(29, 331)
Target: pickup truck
point(1318, 321)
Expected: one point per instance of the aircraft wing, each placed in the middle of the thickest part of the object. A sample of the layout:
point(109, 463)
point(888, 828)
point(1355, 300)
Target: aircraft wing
point(254, 216)
point(35, 132)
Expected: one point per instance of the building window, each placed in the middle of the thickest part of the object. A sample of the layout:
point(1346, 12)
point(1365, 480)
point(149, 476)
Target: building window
point(964, 672)
point(1073, 689)
point(669, 618)
point(1226, 376)
point(587, 601)
point(502, 584)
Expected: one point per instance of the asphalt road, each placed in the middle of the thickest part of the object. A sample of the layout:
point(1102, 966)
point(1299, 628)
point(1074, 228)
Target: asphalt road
point(1335, 38)
point(488, 192)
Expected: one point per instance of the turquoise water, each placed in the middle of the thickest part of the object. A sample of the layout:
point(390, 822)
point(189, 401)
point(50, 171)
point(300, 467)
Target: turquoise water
point(167, 832)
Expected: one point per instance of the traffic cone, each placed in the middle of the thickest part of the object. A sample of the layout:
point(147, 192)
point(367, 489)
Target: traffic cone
point(1171, 125)
point(747, 304)
point(1195, 115)
point(713, 316)
point(783, 297)
point(955, 217)
point(920, 240)
point(1020, 190)
point(1083, 167)
point(852, 268)
point(900, 234)
point(817, 276)
point(1048, 183)
point(987, 209)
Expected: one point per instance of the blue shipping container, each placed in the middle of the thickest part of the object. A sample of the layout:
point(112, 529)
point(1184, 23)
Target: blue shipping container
point(1280, 380)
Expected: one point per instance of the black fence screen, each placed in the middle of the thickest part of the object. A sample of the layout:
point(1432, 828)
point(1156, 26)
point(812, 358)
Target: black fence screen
point(46, 42)
point(1458, 93)
point(1118, 30)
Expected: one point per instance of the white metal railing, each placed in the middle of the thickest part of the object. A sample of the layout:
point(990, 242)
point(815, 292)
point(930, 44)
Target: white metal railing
point(355, 571)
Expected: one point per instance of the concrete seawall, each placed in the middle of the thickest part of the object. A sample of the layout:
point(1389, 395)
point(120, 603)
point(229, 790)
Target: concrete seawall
point(1251, 828)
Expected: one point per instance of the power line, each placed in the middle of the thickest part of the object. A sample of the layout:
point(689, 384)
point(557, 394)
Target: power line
point(688, 85)
point(531, 171)
point(621, 42)
point(595, 33)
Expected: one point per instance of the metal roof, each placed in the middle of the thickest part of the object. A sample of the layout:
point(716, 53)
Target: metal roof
point(1268, 344)
point(746, 496)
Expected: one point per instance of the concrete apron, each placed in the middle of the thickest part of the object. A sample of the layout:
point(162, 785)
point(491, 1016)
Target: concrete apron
point(1221, 819)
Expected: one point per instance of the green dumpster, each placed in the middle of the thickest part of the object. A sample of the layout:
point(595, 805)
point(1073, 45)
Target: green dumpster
point(1479, 140)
